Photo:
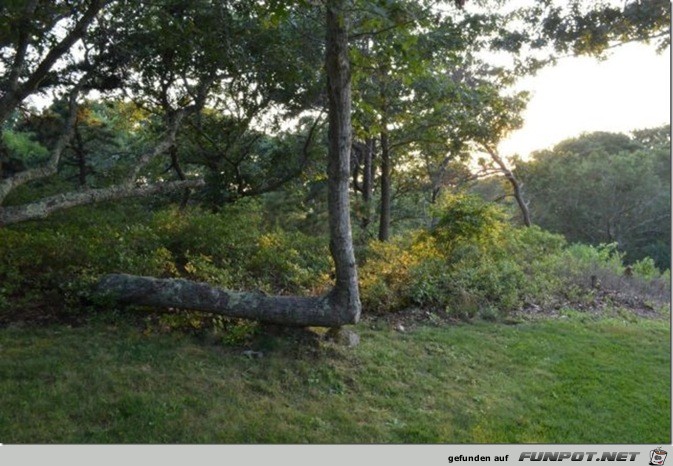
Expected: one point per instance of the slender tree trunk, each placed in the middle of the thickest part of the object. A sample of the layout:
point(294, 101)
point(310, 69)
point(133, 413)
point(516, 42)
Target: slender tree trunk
point(516, 185)
point(341, 305)
point(362, 175)
point(384, 223)
point(518, 195)
point(175, 165)
point(368, 183)
point(80, 153)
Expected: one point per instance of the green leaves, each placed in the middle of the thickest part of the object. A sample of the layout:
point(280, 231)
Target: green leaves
point(591, 29)
point(23, 146)
point(604, 188)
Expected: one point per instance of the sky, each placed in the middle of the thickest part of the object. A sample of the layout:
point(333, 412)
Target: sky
point(630, 90)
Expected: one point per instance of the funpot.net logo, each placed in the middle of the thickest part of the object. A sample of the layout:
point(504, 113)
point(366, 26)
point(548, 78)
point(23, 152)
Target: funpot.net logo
point(579, 456)
point(658, 456)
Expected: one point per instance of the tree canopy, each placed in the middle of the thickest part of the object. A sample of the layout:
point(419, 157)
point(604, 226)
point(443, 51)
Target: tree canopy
point(606, 188)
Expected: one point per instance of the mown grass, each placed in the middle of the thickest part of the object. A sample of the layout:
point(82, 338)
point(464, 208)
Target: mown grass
point(568, 380)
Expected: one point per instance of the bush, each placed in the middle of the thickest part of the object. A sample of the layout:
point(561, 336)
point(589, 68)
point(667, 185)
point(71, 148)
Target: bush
point(473, 263)
point(385, 275)
point(48, 267)
point(290, 263)
point(460, 266)
point(467, 219)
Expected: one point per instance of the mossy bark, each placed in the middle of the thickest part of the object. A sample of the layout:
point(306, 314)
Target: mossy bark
point(323, 311)
point(46, 206)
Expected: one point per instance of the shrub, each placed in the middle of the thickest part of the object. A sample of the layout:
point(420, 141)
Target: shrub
point(467, 219)
point(48, 267)
point(646, 269)
point(384, 276)
point(459, 266)
point(473, 263)
point(290, 263)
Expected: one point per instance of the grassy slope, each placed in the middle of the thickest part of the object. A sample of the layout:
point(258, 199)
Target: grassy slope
point(553, 381)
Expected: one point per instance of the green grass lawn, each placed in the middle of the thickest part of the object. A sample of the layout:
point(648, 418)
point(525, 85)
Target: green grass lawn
point(569, 380)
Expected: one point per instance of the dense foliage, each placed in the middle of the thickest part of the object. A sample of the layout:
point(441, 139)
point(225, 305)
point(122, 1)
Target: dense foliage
point(162, 157)
point(606, 188)
point(472, 263)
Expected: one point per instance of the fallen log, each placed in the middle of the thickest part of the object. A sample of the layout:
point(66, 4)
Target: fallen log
point(330, 310)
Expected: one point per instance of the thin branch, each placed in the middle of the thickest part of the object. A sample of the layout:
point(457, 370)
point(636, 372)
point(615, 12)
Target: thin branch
point(513, 181)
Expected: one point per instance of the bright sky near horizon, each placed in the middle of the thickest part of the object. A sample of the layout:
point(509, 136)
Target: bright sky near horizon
point(630, 90)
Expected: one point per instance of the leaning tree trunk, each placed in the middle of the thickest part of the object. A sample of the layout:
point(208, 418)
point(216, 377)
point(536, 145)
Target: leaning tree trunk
point(342, 304)
point(516, 185)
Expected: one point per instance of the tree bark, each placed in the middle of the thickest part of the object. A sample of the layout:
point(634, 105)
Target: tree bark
point(186, 294)
point(345, 291)
point(368, 176)
point(341, 305)
point(368, 183)
point(80, 154)
point(362, 164)
point(48, 205)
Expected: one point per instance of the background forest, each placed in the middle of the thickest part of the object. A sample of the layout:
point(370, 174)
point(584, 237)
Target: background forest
point(189, 139)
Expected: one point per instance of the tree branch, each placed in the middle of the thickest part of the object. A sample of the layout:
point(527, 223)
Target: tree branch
point(50, 168)
point(13, 97)
point(48, 205)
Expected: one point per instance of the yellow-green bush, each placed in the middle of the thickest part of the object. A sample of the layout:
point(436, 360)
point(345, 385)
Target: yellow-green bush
point(474, 262)
point(385, 276)
point(459, 266)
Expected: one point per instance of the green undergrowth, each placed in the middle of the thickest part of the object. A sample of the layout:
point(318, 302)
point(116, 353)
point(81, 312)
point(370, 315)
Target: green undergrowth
point(562, 380)
point(471, 263)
